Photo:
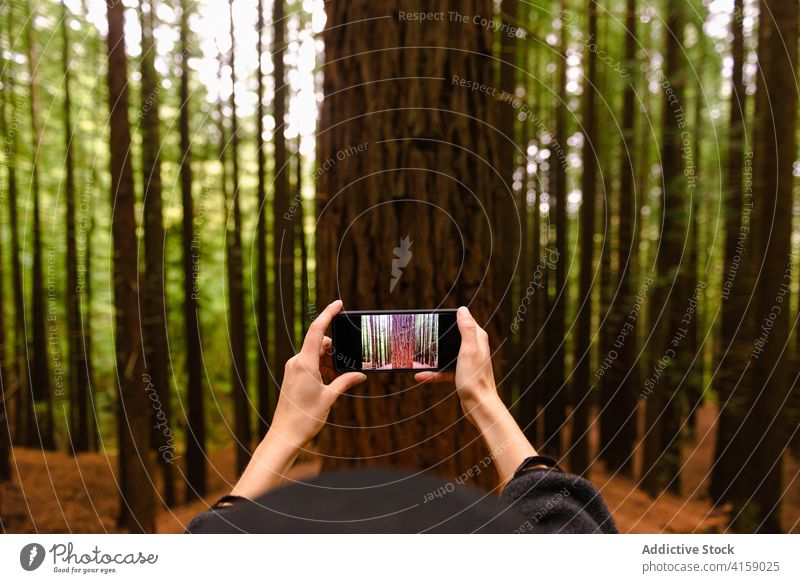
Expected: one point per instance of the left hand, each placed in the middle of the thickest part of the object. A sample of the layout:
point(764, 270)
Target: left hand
point(305, 400)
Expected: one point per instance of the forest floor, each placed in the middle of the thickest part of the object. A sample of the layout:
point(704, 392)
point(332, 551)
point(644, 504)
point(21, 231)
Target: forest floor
point(57, 493)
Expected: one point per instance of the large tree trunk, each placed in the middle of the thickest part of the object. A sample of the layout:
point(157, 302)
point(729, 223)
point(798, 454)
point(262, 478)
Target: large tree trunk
point(284, 210)
point(241, 401)
point(758, 503)
point(23, 418)
point(153, 300)
point(40, 372)
point(579, 459)
point(196, 429)
point(300, 234)
point(737, 284)
point(620, 383)
point(137, 508)
point(666, 391)
point(403, 156)
point(263, 353)
point(79, 383)
point(555, 390)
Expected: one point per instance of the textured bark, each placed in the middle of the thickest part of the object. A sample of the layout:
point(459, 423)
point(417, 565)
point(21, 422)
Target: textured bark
point(737, 284)
point(300, 234)
point(196, 429)
point(666, 403)
point(284, 210)
point(424, 171)
point(40, 371)
point(265, 406)
point(765, 427)
point(579, 458)
point(137, 507)
point(241, 401)
point(23, 417)
point(7, 383)
point(79, 384)
point(555, 389)
point(153, 299)
point(620, 384)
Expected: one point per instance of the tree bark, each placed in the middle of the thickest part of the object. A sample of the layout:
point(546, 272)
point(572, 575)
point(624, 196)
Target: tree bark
point(731, 360)
point(284, 210)
point(137, 507)
point(765, 427)
point(196, 429)
point(265, 407)
point(153, 300)
point(666, 401)
point(41, 389)
point(78, 371)
point(241, 400)
point(580, 457)
point(385, 128)
point(620, 384)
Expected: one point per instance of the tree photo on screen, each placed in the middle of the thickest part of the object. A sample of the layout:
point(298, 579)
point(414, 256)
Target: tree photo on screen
point(398, 341)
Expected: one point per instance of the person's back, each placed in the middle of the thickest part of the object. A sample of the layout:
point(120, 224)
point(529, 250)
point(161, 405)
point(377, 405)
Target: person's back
point(536, 495)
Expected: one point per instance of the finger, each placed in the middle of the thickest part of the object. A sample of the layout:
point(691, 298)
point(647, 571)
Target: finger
point(467, 326)
point(428, 377)
point(347, 381)
point(316, 332)
point(325, 347)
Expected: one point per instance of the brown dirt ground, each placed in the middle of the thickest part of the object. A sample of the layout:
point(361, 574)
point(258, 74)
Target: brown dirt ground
point(57, 493)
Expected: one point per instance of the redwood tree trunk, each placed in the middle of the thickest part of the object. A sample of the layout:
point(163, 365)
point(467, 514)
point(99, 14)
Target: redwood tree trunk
point(405, 157)
point(137, 507)
point(78, 366)
point(196, 429)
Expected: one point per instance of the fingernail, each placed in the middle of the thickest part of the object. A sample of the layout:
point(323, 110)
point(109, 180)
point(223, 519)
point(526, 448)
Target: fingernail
point(463, 311)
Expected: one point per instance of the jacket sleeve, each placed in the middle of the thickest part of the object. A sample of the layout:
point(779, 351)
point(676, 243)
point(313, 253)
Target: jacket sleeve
point(556, 502)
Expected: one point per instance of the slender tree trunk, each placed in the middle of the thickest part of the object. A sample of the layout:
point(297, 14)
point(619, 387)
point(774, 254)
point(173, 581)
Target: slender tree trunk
point(265, 407)
point(580, 459)
point(78, 372)
point(138, 502)
point(301, 238)
point(731, 360)
point(23, 410)
point(666, 384)
point(237, 324)
point(765, 426)
point(411, 128)
point(555, 385)
point(40, 373)
point(284, 211)
point(620, 384)
point(154, 299)
point(196, 429)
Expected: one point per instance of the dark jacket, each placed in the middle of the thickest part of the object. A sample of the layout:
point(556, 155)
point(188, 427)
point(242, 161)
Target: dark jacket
point(390, 501)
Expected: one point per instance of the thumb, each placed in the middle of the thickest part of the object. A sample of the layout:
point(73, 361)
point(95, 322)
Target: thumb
point(347, 381)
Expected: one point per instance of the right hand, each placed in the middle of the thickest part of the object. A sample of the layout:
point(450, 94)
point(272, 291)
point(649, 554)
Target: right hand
point(474, 378)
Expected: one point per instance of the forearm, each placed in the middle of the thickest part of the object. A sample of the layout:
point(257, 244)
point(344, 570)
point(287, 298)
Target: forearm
point(268, 467)
point(506, 442)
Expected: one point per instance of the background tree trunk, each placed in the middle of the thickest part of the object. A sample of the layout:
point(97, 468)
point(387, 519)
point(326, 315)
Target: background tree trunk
point(284, 210)
point(196, 429)
point(385, 138)
point(241, 400)
point(580, 460)
point(154, 293)
point(137, 508)
point(40, 372)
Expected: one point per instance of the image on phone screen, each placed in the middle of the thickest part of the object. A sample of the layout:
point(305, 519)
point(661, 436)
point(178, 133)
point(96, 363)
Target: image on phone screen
point(383, 341)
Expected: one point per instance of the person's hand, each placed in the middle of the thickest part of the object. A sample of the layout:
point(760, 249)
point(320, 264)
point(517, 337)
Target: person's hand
point(473, 378)
point(305, 399)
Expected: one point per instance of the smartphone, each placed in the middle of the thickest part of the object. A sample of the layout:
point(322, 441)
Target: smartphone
point(392, 341)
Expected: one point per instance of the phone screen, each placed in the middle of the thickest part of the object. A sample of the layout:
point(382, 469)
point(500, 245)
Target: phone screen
point(383, 341)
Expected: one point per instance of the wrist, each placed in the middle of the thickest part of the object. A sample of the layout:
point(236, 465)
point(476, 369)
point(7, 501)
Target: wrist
point(486, 410)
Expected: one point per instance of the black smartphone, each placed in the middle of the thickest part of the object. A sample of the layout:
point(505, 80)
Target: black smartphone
point(391, 341)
